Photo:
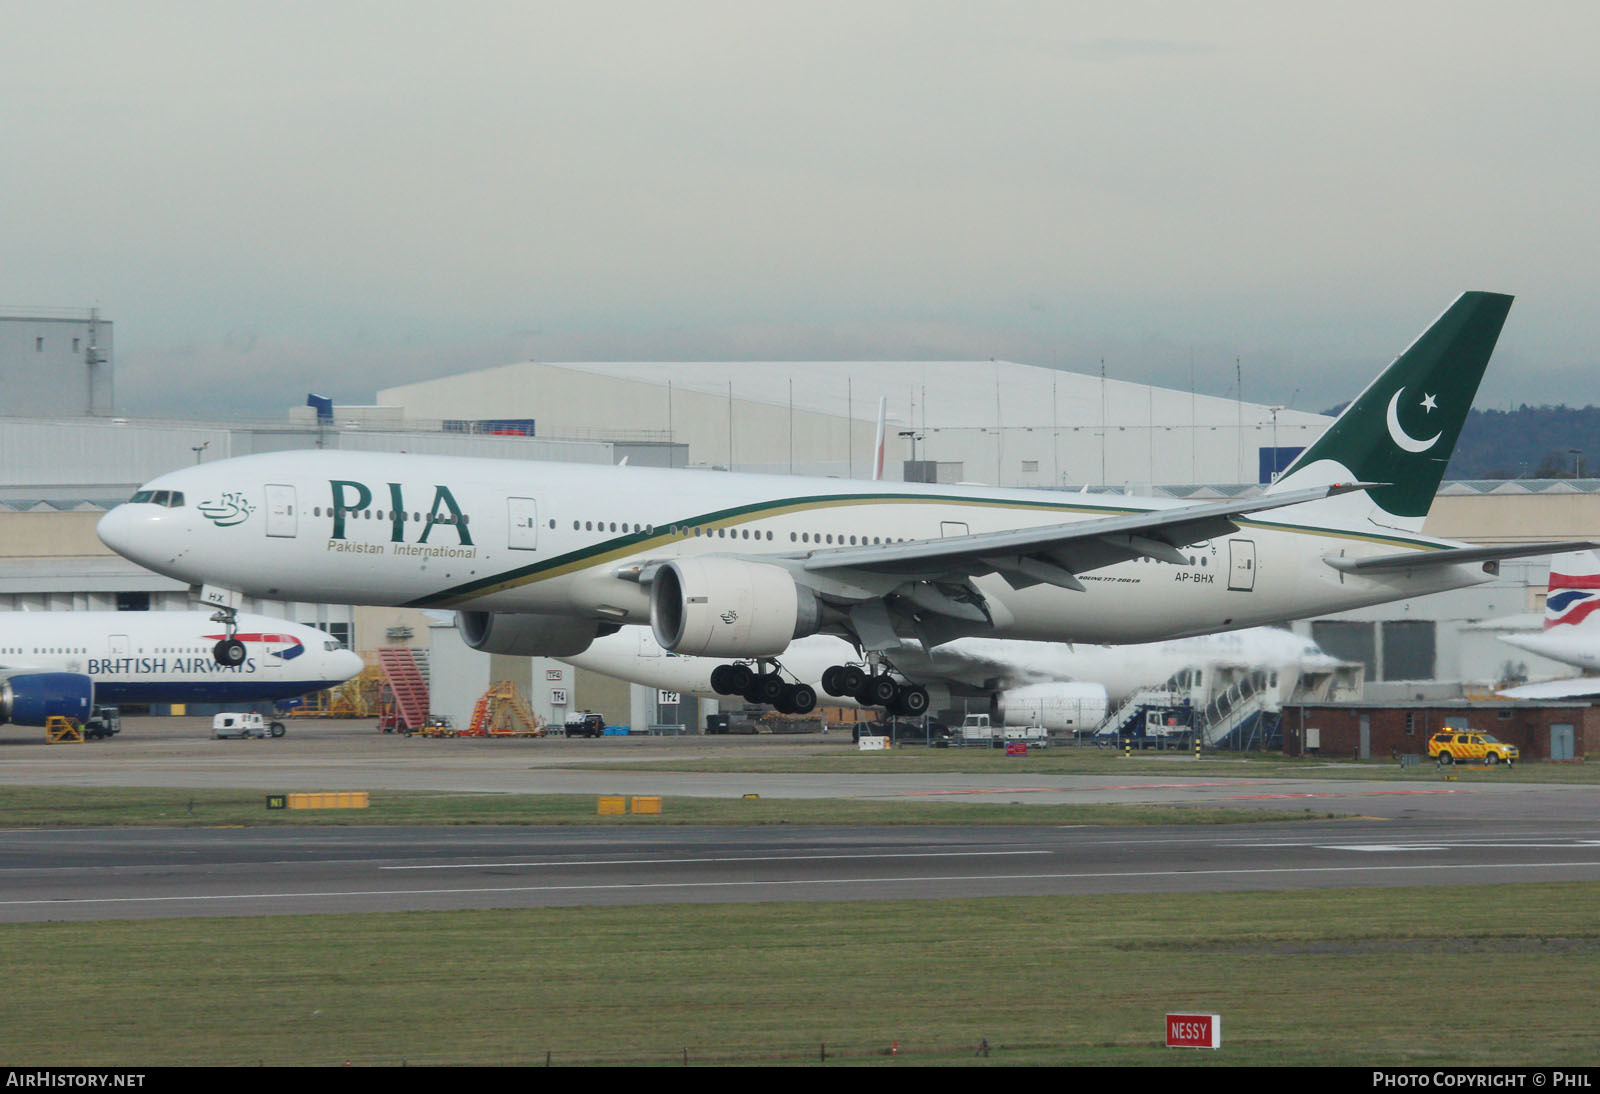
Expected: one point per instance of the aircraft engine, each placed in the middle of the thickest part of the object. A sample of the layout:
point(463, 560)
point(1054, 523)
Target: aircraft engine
point(1063, 707)
point(27, 700)
point(524, 634)
point(723, 607)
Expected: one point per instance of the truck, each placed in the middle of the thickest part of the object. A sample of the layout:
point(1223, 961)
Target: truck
point(248, 724)
point(103, 722)
point(584, 723)
point(978, 731)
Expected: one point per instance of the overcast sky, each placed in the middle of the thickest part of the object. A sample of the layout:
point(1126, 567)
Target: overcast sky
point(270, 199)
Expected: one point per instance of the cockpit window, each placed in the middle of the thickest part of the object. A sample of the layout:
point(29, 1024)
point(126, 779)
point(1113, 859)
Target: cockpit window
point(331, 645)
point(141, 497)
point(171, 499)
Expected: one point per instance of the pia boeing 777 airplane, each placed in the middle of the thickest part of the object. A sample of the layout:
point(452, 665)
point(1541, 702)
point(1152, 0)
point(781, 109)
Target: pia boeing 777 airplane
point(543, 558)
point(63, 663)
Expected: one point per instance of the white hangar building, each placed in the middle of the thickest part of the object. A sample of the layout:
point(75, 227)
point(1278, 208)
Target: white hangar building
point(994, 422)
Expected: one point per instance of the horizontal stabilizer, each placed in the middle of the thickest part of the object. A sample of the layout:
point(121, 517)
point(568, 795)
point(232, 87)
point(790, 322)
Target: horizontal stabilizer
point(1578, 687)
point(1450, 556)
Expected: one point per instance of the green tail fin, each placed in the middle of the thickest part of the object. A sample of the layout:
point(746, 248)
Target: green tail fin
point(1403, 427)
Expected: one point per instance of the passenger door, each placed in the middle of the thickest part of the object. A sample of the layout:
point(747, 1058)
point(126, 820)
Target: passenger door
point(522, 515)
point(281, 520)
point(1241, 564)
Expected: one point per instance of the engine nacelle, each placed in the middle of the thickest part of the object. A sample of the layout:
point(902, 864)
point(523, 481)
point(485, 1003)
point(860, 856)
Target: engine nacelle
point(724, 607)
point(1071, 708)
point(28, 700)
point(523, 634)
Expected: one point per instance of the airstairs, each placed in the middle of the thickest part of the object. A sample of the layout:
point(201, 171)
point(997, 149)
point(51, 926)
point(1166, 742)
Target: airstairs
point(405, 672)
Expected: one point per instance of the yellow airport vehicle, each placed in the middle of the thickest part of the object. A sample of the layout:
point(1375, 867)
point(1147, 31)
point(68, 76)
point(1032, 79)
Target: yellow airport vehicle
point(1465, 746)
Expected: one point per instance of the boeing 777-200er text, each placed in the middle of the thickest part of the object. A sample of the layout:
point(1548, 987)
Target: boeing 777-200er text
point(543, 558)
point(62, 663)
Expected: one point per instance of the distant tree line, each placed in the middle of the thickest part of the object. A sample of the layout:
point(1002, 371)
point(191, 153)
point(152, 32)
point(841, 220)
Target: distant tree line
point(1530, 442)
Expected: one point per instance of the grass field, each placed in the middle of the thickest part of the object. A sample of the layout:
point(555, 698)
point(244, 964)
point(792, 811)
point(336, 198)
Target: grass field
point(1352, 977)
point(78, 807)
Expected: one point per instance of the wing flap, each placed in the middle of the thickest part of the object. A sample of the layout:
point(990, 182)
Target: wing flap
point(1063, 550)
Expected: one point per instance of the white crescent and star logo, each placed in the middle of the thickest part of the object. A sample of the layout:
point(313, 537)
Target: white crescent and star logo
point(1399, 436)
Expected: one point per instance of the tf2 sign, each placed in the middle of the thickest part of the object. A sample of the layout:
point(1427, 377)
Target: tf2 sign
point(1194, 1031)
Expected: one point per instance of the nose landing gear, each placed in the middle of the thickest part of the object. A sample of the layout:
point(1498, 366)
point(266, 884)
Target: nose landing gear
point(229, 651)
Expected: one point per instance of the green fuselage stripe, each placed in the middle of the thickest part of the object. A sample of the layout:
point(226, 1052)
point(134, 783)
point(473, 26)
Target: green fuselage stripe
point(633, 543)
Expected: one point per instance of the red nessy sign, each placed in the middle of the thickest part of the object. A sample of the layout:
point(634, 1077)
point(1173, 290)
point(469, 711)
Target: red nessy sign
point(1194, 1031)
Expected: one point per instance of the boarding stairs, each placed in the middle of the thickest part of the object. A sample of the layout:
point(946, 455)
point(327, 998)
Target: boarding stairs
point(1128, 717)
point(1235, 716)
point(502, 711)
point(405, 671)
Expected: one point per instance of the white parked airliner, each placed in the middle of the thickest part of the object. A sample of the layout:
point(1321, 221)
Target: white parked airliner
point(63, 663)
point(544, 558)
point(1019, 681)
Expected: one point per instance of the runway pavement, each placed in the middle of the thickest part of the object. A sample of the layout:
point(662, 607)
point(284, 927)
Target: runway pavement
point(1414, 833)
point(145, 873)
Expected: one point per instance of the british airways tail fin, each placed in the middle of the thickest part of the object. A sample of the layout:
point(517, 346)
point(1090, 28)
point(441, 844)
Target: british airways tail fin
point(1574, 596)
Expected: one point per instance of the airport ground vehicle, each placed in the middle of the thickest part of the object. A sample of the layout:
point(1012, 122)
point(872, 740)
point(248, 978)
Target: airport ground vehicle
point(583, 723)
point(1453, 746)
point(248, 724)
point(103, 722)
point(978, 731)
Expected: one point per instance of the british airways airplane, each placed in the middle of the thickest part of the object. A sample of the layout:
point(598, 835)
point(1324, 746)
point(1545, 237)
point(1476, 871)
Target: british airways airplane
point(542, 559)
point(67, 662)
point(1571, 628)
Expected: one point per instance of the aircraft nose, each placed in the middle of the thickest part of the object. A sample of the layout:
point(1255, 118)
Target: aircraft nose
point(116, 531)
point(346, 663)
point(146, 534)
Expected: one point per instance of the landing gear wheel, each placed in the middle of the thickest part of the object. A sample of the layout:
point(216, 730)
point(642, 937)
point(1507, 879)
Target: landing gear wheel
point(719, 680)
point(877, 691)
point(803, 699)
point(912, 701)
point(739, 679)
point(769, 686)
point(831, 681)
point(850, 680)
point(230, 652)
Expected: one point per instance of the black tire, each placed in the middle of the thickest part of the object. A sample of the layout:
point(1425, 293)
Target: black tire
point(803, 698)
point(229, 651)
point(1491, 759)
point(1446, 759)
point(913, 701)
point(850, 680)
point(831, 678)
point(878, 691)
point(740, 679)
point(719, 679)
point(769, 686)
point(277, 729)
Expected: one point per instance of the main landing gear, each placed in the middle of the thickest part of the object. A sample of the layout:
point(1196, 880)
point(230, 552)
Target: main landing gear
point(229, 651)
point(876, 689)
point(756, 685)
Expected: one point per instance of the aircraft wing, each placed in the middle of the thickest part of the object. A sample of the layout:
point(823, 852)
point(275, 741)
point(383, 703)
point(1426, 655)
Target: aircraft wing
point(1451, 556)
point(1576, 688)
point(1053, 554)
